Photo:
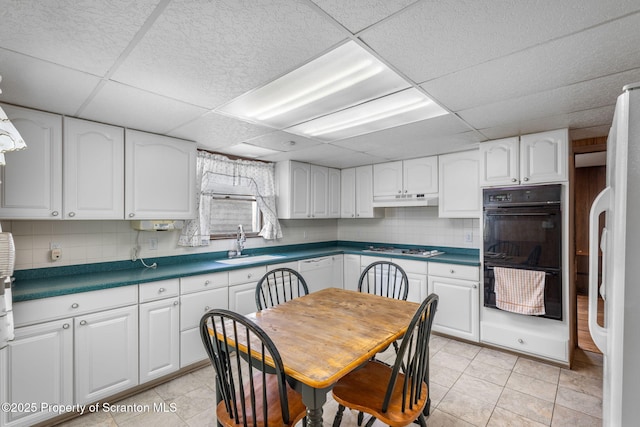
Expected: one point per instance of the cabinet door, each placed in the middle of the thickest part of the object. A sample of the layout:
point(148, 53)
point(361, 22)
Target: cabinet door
point(459, 189)
point(544, 157)
point(458, 307)
point(319, 191)
point(351, 271)
point(242, 298)
point(32, 178)
point(348, 193)
point(420, 176)
point(39, 368)
point(499, 162)
point(364, 192)
point(337, 268)
point(106, 353)
point(317, 272)
point(334, 193)
point(160, 177)
point(417, 287)
point(159, 338)
point(387, 179)
point(93, 177)
point(300, 182)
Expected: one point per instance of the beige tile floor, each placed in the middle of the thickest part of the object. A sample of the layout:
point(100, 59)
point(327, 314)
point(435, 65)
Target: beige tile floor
point(470, 386)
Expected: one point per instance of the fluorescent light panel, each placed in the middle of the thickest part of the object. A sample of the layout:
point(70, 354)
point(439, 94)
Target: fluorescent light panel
point(345, 79)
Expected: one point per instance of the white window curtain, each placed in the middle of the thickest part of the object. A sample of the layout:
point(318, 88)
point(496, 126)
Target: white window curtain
point(215, 169)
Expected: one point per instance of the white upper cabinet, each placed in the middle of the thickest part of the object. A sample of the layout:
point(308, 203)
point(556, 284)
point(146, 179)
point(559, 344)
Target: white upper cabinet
point(32, 178)
point(459, 189)
point(93, 175)
point(530, 159)
point(307, 191)
point(356, 193)
point(160, 177)
point(406, 183)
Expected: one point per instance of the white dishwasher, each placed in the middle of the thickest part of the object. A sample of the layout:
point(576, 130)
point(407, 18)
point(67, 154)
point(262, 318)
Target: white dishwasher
point(317, 272)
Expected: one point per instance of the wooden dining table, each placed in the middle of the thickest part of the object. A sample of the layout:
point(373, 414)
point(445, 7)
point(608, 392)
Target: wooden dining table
point(325, 335)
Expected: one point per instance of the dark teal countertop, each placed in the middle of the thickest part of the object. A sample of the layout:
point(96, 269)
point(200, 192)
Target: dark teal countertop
point(55, 281)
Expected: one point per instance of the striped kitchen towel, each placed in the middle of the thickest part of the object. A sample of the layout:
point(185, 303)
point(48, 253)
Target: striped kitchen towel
point(519, 291)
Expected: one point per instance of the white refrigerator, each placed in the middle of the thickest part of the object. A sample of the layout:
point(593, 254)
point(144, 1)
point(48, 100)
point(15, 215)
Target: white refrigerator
point(619, 338)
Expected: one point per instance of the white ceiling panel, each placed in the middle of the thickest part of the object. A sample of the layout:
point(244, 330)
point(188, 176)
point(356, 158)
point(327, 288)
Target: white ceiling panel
point(213, 131)
point(601, 116)
point(566, 99)
point(600, 51)
point(88, 36)
point(207, 53)
point(33, 83)
point(328, 155)
point(440, 37)
point(357, 15)
point(162, 114)
point(282, 141)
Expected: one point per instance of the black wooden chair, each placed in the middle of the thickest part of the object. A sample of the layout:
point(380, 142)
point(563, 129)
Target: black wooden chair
point(278, 286)
point(386, 279)
point(250, 379)
point(397, 395)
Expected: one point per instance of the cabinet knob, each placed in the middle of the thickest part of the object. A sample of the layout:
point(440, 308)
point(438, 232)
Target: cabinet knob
point(75, 305)
point(72, 214)
point(207, 308)
point(399, 191)
point(452, 271)
point(83, 322)
point(65, 326)
point(249, 276)
point(405, 191)
point(207, 282)
point(514, 180)
point(352, 215)
point(475, 286)
point(55, 213)
point(131, 215)
point(525, 179)
point(176, 303)
point(520, 340)
point(161, 290)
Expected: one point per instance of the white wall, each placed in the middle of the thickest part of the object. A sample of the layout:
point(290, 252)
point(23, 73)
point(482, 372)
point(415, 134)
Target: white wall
point(85, 242)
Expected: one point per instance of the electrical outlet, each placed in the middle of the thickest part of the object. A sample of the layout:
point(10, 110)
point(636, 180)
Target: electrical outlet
point(468, 237)
point(56, 254)
point(153, 244)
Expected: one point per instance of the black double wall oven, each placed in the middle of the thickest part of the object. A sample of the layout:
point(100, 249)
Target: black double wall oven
point(523, 230)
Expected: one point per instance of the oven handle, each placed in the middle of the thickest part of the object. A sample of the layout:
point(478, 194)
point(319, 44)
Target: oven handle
point(520, 213)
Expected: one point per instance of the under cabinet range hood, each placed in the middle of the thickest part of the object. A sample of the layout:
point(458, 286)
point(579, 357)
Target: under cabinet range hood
point(401, 200)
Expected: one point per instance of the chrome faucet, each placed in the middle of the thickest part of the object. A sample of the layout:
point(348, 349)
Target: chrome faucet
point(240, 239)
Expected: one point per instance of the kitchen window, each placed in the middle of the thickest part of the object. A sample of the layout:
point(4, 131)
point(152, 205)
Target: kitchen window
point(230, 210)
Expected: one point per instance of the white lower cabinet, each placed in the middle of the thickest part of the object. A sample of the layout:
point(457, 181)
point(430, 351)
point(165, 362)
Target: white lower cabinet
point(458, 289)
point(318, 273)
point(199, 294)
point(416, 274)
point(351, 271)
point(159, 338)
point(242, 289)
point(39, 368)
point(106, 353)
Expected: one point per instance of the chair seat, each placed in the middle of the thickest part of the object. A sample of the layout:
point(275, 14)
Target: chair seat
point(297, 409)
point(364, 390)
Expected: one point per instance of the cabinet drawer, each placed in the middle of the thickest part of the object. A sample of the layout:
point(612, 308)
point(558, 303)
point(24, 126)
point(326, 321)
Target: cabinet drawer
point(457, 271)
point(203, 282)
point(40, 310)
point(411, 266)
point(524, 341)
point(159, 290)
point(194, 306)
point(246, 275)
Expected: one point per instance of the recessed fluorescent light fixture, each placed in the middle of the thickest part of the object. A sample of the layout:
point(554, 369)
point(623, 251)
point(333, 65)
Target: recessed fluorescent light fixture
point(335, 90)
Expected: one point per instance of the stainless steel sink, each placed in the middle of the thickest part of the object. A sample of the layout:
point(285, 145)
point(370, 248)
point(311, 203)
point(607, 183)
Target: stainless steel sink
point(249, 259)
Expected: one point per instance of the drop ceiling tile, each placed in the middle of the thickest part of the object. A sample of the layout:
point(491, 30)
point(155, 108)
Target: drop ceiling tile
point(564, 100)
point(282, 141)
point(88, 36)
point(356, 15)
point(207, 53)
point(213, 131)
point(33, 83)
point(327, 155)
point(595, 117)
point(125, 106)
point(433, 39)
point(600, 51)
point(248, 150)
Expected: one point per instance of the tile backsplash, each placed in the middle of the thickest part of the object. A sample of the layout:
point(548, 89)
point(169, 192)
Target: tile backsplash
point(84, 242)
